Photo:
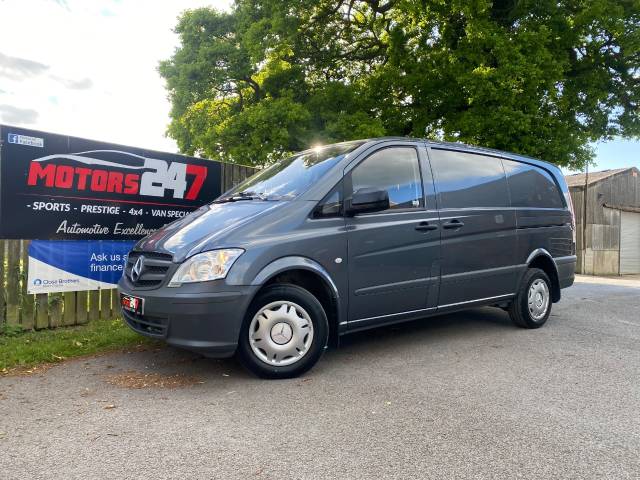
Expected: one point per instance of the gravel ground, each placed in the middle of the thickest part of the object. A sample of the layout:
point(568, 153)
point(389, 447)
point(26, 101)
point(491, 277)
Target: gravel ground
point(461, 396)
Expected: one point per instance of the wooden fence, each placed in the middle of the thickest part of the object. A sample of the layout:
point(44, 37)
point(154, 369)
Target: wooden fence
point(18, 308)
point(50, 310)
point(233, 174)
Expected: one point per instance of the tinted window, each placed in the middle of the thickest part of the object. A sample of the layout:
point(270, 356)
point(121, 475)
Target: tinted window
point(531, 186)
point(395, 170)
point(331, 205)
point(294, 175)
point(469, 180)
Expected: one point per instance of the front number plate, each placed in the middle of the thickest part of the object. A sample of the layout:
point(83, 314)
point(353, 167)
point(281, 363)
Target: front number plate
point(132, 304)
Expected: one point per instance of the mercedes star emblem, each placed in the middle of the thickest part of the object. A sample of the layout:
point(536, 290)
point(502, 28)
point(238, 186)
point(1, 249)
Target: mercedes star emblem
point(136, 271)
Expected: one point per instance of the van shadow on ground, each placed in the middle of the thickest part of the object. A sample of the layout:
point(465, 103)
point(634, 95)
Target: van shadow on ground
point(437, 331)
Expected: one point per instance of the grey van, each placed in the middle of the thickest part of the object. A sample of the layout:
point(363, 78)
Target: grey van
point(352, 236)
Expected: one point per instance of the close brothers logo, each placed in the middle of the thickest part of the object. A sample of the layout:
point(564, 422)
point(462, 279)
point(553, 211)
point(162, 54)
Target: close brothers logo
point(55, 282)
point(152, 178)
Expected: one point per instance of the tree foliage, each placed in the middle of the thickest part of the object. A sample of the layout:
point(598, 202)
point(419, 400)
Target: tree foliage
point(539, 77)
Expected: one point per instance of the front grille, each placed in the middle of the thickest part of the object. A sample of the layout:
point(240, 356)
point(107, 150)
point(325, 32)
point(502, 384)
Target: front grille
point(146, 324)
point(154, 269)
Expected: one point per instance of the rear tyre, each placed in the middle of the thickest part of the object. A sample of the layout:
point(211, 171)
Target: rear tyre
point(284, 333)
point(532, 305)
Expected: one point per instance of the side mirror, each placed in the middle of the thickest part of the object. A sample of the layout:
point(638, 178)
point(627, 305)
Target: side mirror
point(367, 200)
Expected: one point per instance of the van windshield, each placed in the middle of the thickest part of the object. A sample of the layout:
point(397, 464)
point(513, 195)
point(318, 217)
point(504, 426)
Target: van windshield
point(292, 176)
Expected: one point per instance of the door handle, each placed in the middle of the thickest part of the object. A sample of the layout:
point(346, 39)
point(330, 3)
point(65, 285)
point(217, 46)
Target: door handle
point(455, 223)
point(426, 226)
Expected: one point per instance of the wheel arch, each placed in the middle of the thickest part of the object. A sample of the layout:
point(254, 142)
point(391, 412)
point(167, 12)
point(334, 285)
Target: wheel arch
point(310, 275)
point(542, 259)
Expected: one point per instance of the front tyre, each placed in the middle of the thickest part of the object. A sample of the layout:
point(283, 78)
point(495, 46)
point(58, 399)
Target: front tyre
point(532, 305)
point(284, 332)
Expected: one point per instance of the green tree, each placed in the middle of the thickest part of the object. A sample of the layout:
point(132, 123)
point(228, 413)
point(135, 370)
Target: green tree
point(539, 77)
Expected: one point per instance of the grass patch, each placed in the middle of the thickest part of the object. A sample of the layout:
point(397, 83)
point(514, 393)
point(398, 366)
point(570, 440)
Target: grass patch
point(27, 349)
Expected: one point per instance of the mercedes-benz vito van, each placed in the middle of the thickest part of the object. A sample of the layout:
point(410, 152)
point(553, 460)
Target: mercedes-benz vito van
point(352, 236)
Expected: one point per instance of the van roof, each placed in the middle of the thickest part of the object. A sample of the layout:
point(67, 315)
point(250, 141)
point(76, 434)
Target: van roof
point(471, 148)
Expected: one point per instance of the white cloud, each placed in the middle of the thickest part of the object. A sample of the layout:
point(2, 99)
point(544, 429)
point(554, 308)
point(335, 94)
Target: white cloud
point(89, 68)
point(73, 84)
point(15, 68)
point(19, 116)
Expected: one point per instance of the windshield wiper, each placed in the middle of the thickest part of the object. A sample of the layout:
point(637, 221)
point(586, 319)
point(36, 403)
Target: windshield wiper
point(238, 197)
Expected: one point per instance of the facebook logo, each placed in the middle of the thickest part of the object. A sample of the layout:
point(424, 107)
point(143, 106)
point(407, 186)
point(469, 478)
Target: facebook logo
point(25, 140)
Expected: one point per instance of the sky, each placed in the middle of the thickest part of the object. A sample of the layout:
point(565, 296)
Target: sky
point(88, 68)
point(617, 154)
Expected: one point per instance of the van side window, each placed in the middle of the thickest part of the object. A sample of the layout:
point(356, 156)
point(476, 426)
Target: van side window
point(531, 186)
point(331, 204)
point(395, 170)
point(469, 180)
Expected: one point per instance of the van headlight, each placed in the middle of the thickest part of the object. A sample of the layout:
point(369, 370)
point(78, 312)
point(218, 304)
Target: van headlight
point(206, 266)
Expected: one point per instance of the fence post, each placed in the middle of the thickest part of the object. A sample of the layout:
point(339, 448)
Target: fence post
point(94, 305)
point(13, 282)
point(105, 304)
point(55, 311)
point(27, 299)
point(223, 183)
point(115, 303)
point(69, 316)
point(2, 290)
point(236, 174)
point(82, 316)
point(42, 310)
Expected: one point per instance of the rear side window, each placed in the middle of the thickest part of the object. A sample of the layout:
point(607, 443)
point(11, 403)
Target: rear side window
point(531, 186)
point(469, 180)
point(395, 170)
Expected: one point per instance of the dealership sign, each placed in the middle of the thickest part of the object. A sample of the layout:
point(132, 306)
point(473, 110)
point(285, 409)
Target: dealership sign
point(74, 265)
point(59, 187)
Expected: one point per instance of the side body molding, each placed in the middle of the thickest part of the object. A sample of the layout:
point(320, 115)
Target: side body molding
point(293, 263)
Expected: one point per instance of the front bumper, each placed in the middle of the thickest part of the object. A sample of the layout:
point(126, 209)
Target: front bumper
point(205, 318)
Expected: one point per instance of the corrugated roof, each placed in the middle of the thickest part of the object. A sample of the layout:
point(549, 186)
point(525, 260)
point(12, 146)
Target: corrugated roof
point(577, 179)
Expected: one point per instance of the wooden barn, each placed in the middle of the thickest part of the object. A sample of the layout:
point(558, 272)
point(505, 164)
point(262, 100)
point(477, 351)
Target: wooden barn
point(610, 243)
